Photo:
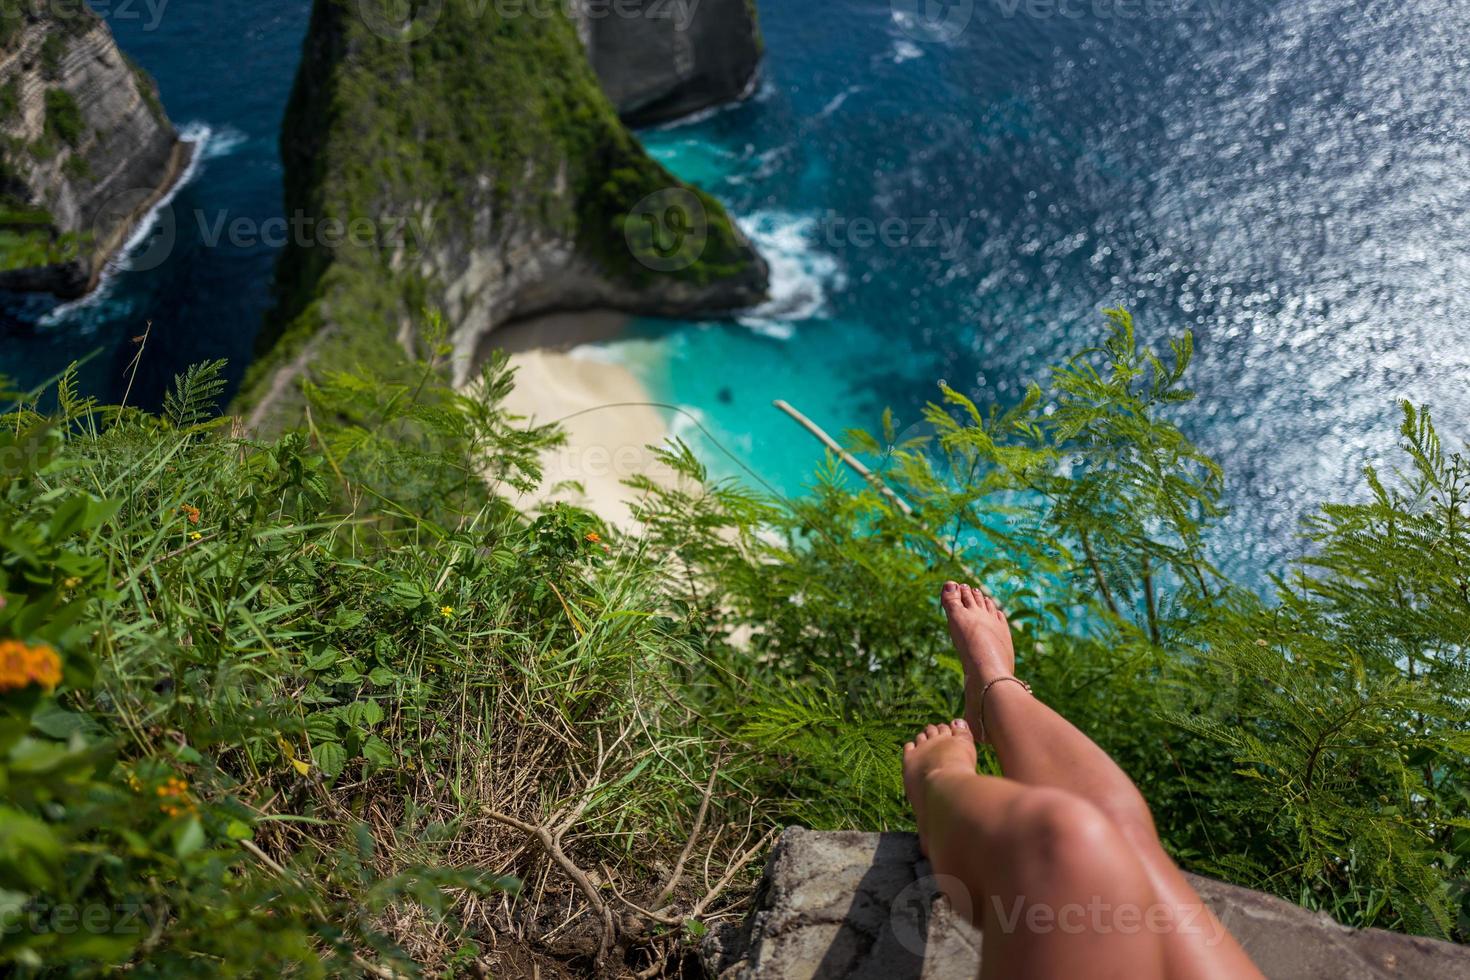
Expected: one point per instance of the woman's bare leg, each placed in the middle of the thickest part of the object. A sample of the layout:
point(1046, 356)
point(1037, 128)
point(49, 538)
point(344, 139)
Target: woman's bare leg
point(1038, 747)
point(1043, 873)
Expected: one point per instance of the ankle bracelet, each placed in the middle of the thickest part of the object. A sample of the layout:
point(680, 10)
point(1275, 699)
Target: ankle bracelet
point(986, 690)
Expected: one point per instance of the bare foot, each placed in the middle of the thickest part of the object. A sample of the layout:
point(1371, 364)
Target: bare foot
point(982, 638)
point(937, 749)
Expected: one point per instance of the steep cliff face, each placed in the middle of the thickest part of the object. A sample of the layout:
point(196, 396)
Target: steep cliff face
point(84, 147)
point(662, 59)
point(468, 162)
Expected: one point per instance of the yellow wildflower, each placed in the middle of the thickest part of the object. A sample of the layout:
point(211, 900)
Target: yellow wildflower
point(446, 611)
point(195, 535)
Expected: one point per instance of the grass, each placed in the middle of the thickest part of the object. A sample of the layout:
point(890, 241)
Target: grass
point(330, 704)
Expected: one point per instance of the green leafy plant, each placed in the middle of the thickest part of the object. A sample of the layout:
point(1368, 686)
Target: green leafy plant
point(330, 703)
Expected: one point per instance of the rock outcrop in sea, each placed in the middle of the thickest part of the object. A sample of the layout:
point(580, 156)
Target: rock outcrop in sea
point(467, 161)
point(659, 60)
point(85, 148)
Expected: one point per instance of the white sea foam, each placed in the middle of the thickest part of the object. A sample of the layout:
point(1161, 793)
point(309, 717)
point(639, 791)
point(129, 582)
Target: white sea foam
point(203, 137)
point(212, 144)
point(801, 276)
point(906, 51)
point(837, 102)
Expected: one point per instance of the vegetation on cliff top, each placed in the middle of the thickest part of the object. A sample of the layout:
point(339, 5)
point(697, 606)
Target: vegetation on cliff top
point(329, 700)
point(484, 122)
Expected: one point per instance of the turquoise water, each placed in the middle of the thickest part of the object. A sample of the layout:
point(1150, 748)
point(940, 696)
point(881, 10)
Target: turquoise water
point(1285, 177)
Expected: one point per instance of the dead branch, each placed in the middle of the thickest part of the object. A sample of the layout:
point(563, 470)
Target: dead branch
point(552, 844)
point(669, 886)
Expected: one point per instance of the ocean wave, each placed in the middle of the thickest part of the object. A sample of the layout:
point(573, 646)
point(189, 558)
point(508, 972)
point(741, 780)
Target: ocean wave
point(213, 144)
point(801, 276)
point(836, 103)
point(906, 51)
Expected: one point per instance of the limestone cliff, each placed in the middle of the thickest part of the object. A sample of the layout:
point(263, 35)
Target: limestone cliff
point(84, 147)
point(661, 59)
point(467, 161)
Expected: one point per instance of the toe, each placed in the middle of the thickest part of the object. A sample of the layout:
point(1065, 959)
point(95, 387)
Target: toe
point(944, 731)
point(967, 594)
point(930, 731)
point(959, 726)
point(951, 595)
point(908, 746)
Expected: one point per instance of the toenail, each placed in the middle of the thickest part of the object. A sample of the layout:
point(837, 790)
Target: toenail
point(962, 724)
point(950, 586)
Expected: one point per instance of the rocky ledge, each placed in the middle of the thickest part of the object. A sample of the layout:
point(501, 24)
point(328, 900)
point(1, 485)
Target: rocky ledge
point(854, 905)
point(662, 59)
point(85, 148)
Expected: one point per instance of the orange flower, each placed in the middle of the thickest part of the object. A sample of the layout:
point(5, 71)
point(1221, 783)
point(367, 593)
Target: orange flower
point(22, 666)
point(45, 667)
point(15, 670)
point(594, 537)
point(174, 796)
point(191, 512)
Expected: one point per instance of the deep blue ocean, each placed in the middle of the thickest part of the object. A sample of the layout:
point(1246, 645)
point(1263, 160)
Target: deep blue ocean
point(953, 190)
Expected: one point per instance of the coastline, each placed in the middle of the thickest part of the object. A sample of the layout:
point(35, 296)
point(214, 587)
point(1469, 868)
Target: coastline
point(77, 281)
point(596, 402)
point(181, 163)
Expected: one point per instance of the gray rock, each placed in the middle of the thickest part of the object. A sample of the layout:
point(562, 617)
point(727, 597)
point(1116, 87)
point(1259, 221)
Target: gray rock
point(661, 59)
point(863, 906)
point(122, 158)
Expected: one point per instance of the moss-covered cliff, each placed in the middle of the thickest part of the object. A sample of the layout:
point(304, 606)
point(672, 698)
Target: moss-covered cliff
point(469, 162)
point(84, 147)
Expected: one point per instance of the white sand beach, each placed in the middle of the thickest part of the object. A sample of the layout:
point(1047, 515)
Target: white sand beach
point(607, 442)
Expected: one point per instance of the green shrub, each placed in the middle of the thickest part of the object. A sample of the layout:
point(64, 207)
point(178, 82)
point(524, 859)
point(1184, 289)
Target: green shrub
point(63, 117)
point(53, 49)
point(9, 101)
point(326, 698)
